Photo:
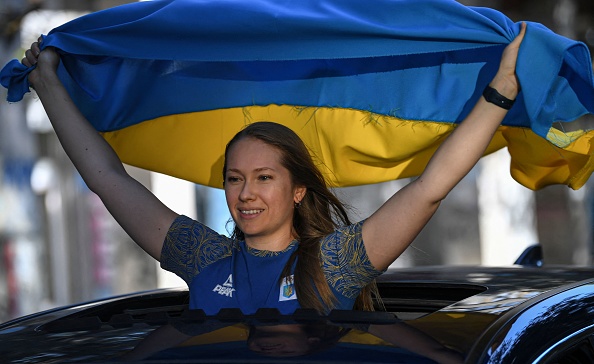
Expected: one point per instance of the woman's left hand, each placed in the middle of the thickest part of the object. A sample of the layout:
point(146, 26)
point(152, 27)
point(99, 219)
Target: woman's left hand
point(506, 81)
point(391, 229)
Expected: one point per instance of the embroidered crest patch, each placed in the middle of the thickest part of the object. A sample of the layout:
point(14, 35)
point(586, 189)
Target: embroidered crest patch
point(287, 289)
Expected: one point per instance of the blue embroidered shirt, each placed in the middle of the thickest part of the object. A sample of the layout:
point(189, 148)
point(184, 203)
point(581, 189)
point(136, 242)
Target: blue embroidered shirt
point(225, 273)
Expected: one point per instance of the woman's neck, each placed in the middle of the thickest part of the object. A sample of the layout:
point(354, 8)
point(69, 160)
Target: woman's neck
point(275, 243)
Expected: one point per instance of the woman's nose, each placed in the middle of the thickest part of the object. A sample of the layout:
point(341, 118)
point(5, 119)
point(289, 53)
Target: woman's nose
point(247, 193)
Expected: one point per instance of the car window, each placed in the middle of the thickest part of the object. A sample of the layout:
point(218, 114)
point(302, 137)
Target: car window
point(580, 353)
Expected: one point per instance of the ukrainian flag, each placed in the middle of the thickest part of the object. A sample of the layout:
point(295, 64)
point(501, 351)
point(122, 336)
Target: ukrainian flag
point(373, 87)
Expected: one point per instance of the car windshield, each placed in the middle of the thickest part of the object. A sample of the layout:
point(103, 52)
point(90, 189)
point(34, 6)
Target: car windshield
point(174, 333)
point(424, 321)
point(159, 327)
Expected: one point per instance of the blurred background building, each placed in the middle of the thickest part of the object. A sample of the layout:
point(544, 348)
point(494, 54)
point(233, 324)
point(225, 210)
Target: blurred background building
point(59, 245)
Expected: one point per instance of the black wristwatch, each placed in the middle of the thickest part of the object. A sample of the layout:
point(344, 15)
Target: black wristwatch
point(494, 97)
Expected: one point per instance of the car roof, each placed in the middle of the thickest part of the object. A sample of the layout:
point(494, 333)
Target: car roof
point(466, 309)
point(492, 290)
point(493, 307)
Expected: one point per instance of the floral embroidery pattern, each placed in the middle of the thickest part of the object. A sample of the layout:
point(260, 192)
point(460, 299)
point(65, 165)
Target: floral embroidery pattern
point(345, 262)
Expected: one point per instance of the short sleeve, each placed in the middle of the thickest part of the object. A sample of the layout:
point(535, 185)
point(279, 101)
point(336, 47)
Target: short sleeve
point(190, 246)
point(345, 262)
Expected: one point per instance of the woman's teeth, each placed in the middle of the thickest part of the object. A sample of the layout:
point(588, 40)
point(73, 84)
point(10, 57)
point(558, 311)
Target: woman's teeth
point(250, 212)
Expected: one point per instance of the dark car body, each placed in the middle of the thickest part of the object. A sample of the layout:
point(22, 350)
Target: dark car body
point(472, 314)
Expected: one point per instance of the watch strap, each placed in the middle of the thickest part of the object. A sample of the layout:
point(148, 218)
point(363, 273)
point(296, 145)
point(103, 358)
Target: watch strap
point(494, 97)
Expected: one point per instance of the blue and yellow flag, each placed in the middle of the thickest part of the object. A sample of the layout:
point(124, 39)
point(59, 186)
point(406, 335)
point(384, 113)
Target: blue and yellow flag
point(373, 87)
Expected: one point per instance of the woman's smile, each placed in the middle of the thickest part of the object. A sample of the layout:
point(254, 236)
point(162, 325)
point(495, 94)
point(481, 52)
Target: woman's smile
point(250, 212)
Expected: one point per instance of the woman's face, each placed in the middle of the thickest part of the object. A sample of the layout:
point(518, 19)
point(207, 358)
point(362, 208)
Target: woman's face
point(281, 340)
point(260, 194)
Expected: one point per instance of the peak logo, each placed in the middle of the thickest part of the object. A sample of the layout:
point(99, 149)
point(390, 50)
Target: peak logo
point(227, 288)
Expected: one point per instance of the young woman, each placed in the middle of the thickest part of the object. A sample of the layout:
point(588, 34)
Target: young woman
point(293, 245)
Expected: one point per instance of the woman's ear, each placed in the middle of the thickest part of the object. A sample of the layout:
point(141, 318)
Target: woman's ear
point(299, 194)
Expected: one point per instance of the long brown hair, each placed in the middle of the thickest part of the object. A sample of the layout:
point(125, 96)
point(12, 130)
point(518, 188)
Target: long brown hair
point(319, 214)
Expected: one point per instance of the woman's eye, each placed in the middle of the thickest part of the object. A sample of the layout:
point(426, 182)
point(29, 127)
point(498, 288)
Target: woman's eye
point(265, 177)
point(232, 179)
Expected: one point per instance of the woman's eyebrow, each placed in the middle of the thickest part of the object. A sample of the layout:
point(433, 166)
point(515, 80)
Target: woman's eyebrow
point(259, 169)
point(264, 169)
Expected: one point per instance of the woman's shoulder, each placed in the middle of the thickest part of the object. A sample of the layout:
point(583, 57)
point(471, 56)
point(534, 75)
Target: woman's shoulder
point(344, 244)
point(344, 233)
point(345, 262)
point(191, 246)
point(197, 236)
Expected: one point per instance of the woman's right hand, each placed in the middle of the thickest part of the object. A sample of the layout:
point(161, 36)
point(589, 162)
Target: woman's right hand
point(45, 61)
point(136, 209)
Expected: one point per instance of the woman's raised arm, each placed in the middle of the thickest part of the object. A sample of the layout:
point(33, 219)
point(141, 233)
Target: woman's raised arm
point(135, 208)
point(391, 229)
